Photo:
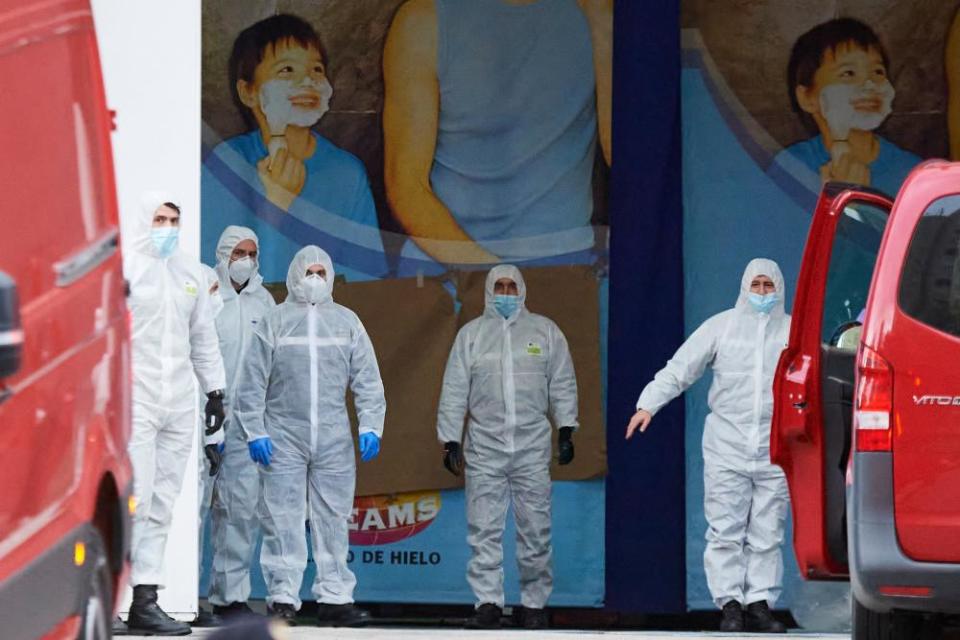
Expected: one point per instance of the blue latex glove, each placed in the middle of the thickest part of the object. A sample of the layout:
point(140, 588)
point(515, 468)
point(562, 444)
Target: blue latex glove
point(261, 450)
point(369, 446)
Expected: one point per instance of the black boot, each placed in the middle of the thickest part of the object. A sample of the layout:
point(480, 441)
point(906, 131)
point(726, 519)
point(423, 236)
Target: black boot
point(120, 627)
point(732, 617)
point(341, 615)
point(534, 618)
point(234, 609)
point(760, 619)
point(207, 619)
point(148, 619)
point(283, 611)
point(487, 616)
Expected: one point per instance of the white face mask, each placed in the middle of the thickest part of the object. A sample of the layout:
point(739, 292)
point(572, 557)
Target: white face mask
point(275, 102)
point(837, 106)
point(242, 270)
point(314, 288)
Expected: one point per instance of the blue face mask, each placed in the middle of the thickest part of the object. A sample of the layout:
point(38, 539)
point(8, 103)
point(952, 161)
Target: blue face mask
point(506, 305)
point(165, 240)
point(763, 304)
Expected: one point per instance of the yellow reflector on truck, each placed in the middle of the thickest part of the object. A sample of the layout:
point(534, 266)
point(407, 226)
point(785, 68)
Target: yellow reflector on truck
point(79, 554)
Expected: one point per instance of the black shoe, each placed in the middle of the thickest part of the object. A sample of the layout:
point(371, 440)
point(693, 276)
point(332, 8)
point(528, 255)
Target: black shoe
point(341, 615)
point(487, 616)
point(534, 618)
point(233, 609)
point(283, 611)
point(119, 627)
point(148, 619)
point(759, 618)
point(207, 619)
point(732, 617)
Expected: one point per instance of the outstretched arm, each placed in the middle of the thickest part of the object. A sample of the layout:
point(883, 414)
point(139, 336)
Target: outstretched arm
point(684, 368)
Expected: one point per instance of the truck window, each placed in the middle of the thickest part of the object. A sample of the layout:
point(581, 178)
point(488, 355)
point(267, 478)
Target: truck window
point(930, 281)
point(854, 254)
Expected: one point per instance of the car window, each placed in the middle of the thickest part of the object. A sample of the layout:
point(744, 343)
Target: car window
point(855, 247)
point(930, 281)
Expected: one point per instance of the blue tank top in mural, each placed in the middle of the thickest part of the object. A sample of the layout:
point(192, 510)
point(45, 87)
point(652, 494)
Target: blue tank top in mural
point(518, 123)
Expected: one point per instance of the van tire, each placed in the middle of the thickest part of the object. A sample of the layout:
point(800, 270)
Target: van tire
point(894, 625)
point(95, 621)
point(869, 625)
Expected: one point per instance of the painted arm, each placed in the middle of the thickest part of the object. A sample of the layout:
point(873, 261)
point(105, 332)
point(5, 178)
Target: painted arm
point(410, 116)
point(953, 86)
point(599, 15)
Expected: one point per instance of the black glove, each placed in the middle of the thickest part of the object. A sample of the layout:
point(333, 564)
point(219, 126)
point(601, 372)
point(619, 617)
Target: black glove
point(212, 451)
point(565, 445)
point(453, 458)
point(213, 412)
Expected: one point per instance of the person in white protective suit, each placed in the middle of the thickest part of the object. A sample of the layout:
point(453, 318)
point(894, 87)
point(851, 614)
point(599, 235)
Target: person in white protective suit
point(173, 333)
point(208, 465)
point(745, 495)
point(233, 519)
point(291, 405)
point(509, 374)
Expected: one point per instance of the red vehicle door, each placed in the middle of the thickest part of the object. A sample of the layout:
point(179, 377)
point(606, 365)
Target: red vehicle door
point(814, 381)
point(64, 400)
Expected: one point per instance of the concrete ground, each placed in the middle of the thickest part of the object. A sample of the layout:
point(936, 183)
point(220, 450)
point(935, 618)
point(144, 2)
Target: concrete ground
point(407, 633)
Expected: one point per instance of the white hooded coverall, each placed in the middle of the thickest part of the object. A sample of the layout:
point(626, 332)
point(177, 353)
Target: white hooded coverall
point(298, 367)
point(203, 465)
point(510, 378)
point(173, 334)
point(745, 495)
point(233, 523)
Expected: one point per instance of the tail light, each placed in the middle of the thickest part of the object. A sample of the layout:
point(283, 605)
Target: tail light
point(906, 592)
point(872, 415)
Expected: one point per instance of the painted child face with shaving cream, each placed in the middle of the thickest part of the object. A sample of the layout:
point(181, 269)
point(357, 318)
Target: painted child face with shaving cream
point(289, 88)
point(850, 91)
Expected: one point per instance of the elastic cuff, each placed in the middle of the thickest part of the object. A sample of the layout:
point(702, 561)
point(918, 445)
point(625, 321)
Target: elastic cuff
point(722, 602)
point(283, 600)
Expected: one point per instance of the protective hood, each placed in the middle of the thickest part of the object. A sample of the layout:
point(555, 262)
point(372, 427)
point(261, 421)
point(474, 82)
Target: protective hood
point(504, 271)
point(307, 256)
point(150, 201)
point(229, 239)
point(762, 267)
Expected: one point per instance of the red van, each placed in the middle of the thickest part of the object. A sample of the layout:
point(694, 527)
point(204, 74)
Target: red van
point(866, 420)
point(65, 478)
